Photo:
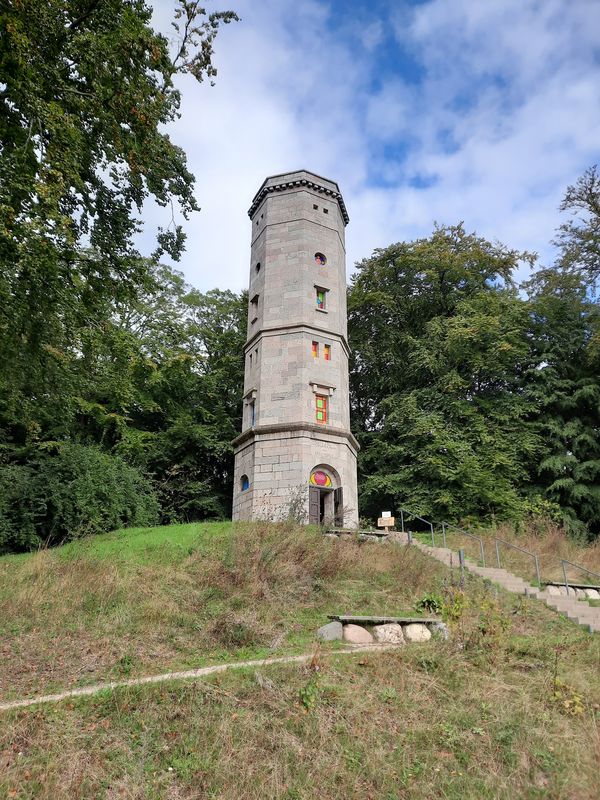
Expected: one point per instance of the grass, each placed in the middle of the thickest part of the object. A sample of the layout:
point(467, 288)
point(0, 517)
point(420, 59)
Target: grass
point(508, 707)
point(148, 601)
point(430, 721)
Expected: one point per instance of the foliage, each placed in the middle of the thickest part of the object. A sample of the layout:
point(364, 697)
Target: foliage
point(439, 340)
point(579, 237)
point(430, 602)
point(68, 492)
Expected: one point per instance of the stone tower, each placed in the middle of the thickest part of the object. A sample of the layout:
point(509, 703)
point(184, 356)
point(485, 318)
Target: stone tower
point(296, 449)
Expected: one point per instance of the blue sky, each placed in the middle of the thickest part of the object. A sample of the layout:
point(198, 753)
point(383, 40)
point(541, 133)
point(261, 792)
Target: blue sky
point(433, 111)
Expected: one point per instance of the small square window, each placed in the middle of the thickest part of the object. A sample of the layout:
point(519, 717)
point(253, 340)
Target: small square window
point(326, 211)
point(327, 352)
point(315, 207)
point(321, 408)
point(315, 349)
point(321, 298)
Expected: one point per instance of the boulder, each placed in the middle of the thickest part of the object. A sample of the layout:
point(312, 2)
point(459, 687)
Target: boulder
point(592, 594)
point(354, 634)
point(331, 632)
point(439, 630)
point(562, 590)
point(581, 595)
point(390, 633)
point(416, 632)
point(553, 591)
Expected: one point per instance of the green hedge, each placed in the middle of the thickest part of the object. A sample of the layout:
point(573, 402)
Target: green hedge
point(74, 491)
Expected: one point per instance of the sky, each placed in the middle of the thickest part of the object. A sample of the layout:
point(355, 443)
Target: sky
point(481, 111)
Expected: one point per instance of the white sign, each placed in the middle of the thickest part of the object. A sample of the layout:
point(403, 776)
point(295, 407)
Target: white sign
point(385, 514)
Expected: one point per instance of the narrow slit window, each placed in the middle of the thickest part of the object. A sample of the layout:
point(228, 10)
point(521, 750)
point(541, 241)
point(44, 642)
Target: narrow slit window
point(252, 413)
point(250, 359)
point(327, 352)
point(315, 349)
point(321, 408)
point(244, 483)
point(321, 299)
point(254, 308)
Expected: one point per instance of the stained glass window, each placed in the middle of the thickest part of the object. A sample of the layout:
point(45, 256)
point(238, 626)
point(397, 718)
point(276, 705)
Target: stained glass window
point(244, 483)
point(320, 259)
point(327, 352)
point(321, 299)
point(320, 478)
point(321, 408)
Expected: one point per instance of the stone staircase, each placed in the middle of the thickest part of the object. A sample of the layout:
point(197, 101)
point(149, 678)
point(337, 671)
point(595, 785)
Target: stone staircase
point(580, 612)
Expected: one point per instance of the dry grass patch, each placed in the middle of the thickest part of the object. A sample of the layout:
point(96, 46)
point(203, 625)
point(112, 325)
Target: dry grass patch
point(445, 720)
point(263, 589)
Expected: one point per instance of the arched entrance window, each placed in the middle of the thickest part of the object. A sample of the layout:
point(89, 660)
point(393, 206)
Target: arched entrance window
point(325, 497)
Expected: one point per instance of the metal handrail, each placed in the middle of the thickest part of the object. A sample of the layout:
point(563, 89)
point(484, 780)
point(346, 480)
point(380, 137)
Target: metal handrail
point(521, 550)
point(465, 533)
point(564, 561)
point(404, 511)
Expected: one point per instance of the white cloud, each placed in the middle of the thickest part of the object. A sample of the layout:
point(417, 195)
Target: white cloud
point(505, 115)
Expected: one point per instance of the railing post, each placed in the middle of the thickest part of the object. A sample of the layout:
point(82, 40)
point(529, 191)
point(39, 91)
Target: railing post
point(537, 570)
point(482, 552)
point(461, 563)
point(402, 519)
point(409, 534)
point(564, 569)
point(497, 554)
point(444, 534)
point(432, 535)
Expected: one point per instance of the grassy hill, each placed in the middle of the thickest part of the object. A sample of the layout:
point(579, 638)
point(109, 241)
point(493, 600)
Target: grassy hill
point(508, 707)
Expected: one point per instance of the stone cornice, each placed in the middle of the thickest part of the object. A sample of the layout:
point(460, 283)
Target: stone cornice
point(297, 326)
point(286, 181)
point(296, 427)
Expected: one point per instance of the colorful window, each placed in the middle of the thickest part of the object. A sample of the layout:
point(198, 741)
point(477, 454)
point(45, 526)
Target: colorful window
point(327, 352)
point(244, 483)
point(320, 259)
point(315, 349)
point(321, 299)
point(320, 478)
point(321, 409)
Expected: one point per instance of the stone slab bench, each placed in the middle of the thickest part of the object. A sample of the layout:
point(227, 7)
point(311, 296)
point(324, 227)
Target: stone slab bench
point(373, 620)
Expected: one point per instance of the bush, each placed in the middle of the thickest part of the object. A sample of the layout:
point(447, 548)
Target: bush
point(72, 492)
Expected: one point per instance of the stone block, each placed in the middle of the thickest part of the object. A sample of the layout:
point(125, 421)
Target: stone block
point(355, 634)
point(416, 632)
point(389, 633)
point(331, 632)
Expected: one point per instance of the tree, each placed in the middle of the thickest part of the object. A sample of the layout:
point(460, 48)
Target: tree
point(440, 345)
point(565, 329)
point(579, 237)
point(86, 88)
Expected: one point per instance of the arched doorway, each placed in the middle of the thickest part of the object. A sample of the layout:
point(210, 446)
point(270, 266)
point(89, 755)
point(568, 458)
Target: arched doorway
point(325, 497)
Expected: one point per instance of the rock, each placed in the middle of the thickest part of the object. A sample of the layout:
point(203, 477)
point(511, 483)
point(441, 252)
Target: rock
point(354, 634)
point(562, 590)
point(331, 632)
point(592, 594)
point(416, 632)
point(553, 591)
point(390, 633)
point(439, 630)
point(581, 595)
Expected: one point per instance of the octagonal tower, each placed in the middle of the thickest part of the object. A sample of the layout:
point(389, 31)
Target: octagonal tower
point(296, 452)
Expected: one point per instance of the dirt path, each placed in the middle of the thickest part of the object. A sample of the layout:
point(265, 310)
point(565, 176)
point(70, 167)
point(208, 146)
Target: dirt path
point(190, 674)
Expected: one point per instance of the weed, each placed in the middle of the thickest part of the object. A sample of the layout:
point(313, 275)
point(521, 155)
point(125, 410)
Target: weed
point(429, 603)
point(308, 695)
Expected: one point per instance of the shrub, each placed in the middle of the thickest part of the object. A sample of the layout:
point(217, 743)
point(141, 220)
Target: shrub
point(74, 491)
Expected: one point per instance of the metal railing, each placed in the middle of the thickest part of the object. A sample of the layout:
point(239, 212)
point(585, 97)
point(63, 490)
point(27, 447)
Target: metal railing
point(464, 533)
point(521, 550)
point(564, 561)
point(404, 511)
